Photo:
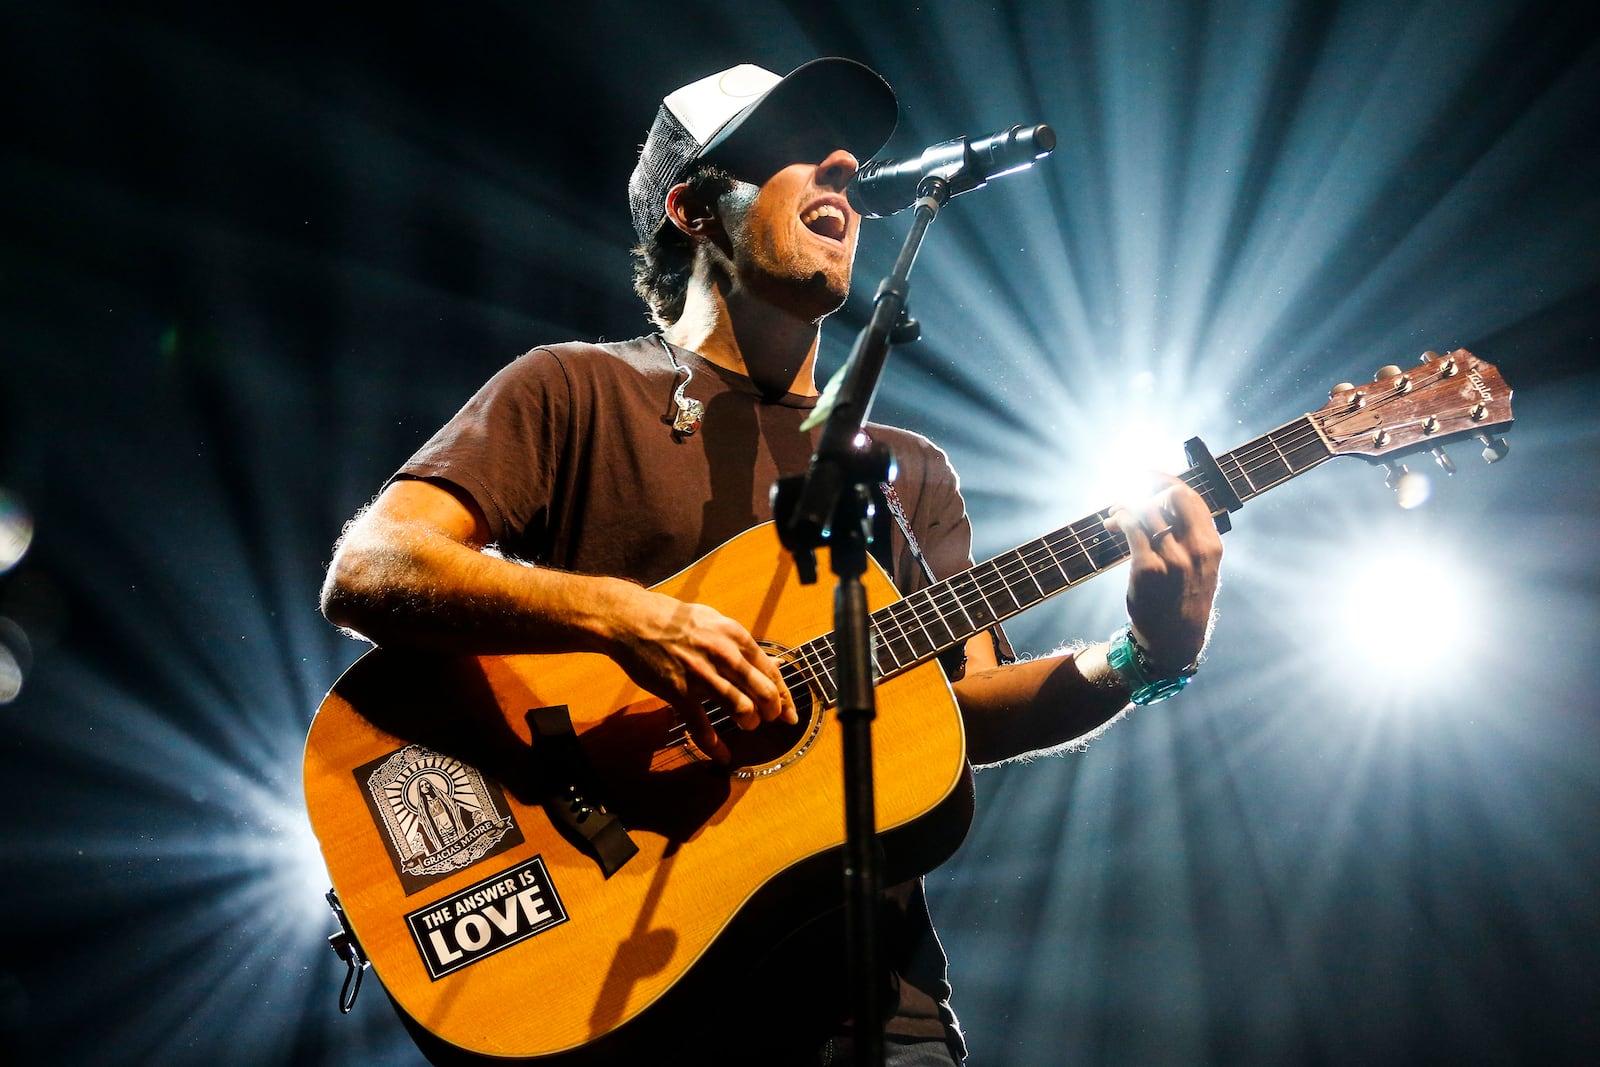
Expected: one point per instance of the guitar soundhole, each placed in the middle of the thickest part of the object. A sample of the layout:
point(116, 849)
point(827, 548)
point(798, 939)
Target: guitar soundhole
point(774, 745)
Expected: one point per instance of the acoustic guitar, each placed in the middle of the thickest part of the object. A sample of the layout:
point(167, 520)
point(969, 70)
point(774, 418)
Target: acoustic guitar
point(539, 863)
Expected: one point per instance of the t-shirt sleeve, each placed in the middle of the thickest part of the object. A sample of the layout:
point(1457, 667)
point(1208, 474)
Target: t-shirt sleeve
point(940, 516)
point(501, 448)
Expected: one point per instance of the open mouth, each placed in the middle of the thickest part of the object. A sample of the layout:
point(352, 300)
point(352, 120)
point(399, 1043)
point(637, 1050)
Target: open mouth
point(825, 220)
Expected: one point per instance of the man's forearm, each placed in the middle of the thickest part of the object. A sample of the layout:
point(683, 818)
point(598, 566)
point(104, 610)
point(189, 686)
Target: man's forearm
point(1039, 704)
point(399, 584)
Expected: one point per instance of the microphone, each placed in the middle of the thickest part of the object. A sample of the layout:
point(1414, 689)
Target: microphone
point(886, 186)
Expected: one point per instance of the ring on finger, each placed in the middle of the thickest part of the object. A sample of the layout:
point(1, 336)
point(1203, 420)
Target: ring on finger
point(1157, 535)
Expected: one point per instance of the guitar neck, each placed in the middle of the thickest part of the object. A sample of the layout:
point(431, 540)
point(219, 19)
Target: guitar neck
point(920, 626)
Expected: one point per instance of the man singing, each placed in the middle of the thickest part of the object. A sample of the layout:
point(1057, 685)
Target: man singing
point(537, 518)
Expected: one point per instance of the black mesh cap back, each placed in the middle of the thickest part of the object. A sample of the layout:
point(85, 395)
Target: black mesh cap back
point(663, 161)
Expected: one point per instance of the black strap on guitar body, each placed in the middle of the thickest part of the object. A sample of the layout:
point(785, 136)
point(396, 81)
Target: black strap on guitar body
point(567, 791)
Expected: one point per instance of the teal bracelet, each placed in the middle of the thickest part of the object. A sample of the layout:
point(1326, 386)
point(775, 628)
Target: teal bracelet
point(1132, 666)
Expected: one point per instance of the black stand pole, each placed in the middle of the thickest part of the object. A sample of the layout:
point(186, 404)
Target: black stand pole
point(831, 504)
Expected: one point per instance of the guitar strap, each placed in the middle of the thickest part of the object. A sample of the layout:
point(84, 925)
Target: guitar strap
point(892, 498)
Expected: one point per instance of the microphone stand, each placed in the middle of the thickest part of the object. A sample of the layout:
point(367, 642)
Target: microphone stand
point(831, 503)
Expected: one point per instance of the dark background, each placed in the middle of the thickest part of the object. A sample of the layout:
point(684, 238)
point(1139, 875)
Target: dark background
point(251, 255)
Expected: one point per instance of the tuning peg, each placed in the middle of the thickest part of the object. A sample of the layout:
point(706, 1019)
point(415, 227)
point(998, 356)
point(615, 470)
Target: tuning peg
point(1342, 387)
point(1447, 369)
point(1391, 373)
point(1411, 489)
point(1443, 460)
point(1495, 449)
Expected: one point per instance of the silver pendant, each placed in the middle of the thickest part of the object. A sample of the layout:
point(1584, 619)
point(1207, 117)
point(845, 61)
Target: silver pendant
point(690, 410)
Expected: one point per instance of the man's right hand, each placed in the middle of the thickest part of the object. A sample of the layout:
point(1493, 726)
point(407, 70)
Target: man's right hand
point(688, 654)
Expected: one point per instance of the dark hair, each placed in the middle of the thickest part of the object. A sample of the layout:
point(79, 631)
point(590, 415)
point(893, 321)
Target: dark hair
point(662, 265)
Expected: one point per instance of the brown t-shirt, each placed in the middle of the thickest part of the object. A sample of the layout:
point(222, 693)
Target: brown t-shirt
point(570, 454)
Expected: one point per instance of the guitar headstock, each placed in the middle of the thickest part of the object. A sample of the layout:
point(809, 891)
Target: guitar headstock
point(1441, 399)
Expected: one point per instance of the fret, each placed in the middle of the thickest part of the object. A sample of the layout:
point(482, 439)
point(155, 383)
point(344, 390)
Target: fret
point(929, 598)
point(1223, 463)
point(1029, 572)
point(1002, 594)
point(908, 616)
point(1274, 458)
point(947, 598)
point(923, 640)
point(1269, 470)
point(908, 632)
point(1103, 546)
point(980, 613)
point(1054, 578)
point(1248, 481)
point(804, 658)
point(899, 630)
point(889, 630)
point(880, 669)
point(826, 659)
point(1066, 549)
point(893, 646)
point(1238, 491)
point(817, 656)
point(1306, 447)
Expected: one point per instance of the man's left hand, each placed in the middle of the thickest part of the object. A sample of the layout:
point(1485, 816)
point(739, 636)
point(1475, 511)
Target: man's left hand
point(1175, 553)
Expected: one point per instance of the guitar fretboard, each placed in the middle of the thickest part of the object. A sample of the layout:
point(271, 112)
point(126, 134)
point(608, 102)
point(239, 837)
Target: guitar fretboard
point(920, 626)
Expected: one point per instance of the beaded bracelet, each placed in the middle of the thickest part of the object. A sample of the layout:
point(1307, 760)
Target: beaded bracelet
point(1146, 684)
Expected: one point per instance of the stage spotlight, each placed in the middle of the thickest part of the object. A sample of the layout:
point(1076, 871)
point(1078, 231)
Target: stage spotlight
point(1400, 616)
point(1132, 433)
point(16, 656)
point(16, 530)
point(1412, 489)
point(300, 875)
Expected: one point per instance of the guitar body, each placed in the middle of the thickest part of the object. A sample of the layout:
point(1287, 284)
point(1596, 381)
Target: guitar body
point(496, 933)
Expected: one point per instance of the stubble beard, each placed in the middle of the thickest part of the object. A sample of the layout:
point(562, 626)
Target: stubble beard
point(788, 275)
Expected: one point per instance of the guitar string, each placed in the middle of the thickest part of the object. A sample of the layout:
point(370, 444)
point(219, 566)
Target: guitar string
point(894, 620)
point(1247, 460)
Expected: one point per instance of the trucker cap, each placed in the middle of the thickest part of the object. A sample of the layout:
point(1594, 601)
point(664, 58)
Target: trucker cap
point(752, 122)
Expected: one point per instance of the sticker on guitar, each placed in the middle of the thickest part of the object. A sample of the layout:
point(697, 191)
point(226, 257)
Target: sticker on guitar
point(481, 920)
point(437, 814)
